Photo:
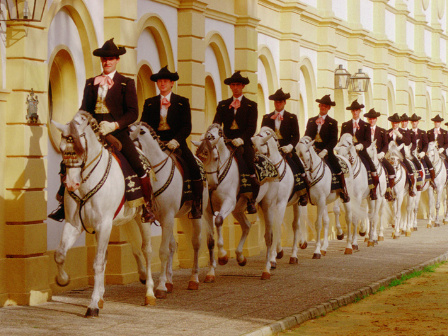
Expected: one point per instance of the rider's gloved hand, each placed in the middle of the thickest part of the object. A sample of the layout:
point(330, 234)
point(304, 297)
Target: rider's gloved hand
point(398, 134)
point(381, 155)
point(323, 153)
point(107, 127)
point(237, 142)
point(441, 150)
point(421, 155)
point(172, 144)
point(286, 149)
point(359, 147)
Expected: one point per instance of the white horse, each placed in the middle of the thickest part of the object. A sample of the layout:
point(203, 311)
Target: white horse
point(402, 221)
point(265, 143)
point(224, 183)
point(167, 183)
point(346, 148)
point(95, 188)
point(320, 176)
point(439, 182)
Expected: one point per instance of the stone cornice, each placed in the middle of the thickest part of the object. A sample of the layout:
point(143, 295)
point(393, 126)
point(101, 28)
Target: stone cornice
point(197, 5)
point(269, 31)
point(171, 3)
point(246, 20)
point(221, 16)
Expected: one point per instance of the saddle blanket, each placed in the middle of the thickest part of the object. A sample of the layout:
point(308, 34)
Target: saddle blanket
point(265, 170)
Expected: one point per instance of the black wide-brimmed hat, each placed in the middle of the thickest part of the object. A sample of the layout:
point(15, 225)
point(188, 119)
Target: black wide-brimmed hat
point(164, 73)
point(437, 119)
point(279, 95)
point(394, 118)
point(404, 117)
point(326, 100)
point(109, 49)
point(236, 78)
point(414, 117)
point(372, 114)
point(355, 105)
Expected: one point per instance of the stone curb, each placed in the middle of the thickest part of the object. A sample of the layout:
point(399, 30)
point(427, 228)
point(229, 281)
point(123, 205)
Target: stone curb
point(326, 307)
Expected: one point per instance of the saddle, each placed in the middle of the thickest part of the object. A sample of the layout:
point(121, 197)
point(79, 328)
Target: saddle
point(265, 170)
point(299, 182)
point(335, 182)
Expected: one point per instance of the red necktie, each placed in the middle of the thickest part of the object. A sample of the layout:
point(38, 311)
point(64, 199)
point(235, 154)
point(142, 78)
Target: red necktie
point(165, 102)
point(103, 80)
point(277, 116)
point(235, 104)
point(320, 121)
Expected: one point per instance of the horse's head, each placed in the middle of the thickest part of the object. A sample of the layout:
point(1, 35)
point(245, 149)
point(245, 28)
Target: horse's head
point(433, 151)
point(372, 151)
point(394, 154)
point(408, 151)
point(345, 146)
point(73, 145)
point(206, 151)
point(304, 150)
point(146, 138)
point(264, 140)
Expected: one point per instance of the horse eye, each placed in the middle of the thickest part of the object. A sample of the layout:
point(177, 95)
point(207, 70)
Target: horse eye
point(142, 132)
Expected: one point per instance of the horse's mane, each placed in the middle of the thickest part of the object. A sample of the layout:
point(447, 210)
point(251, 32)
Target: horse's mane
point(268, 129)
point(218, 126)
point(153, 134)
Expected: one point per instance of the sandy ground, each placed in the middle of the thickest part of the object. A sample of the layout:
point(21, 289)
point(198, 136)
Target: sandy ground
point(419, 306)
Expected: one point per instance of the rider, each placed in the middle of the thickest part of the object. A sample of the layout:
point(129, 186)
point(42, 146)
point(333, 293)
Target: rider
point(412, 135)
point(170, 116)
point(422, 145)
point(286, 128)
point(111, 98)
point(324, 130)
point(379, 134)
point(438, 134)
point(399, 136)
point(361, 139)
point(239, 116)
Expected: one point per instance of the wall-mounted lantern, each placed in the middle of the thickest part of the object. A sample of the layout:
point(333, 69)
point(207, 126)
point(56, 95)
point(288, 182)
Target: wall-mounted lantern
point(359, 82)
point(22, 10)
point(341, 78)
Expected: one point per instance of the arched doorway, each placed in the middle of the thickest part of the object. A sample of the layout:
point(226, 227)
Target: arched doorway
point(145, 87)
point(210, 100)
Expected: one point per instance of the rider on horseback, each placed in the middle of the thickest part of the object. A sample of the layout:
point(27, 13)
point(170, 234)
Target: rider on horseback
point(111, 98)
point(438, 134)
point(170, 116)
point(413, 136)
point(421, 139)
point(286, 128)
point(382, 144)
point(239, 116)
point(361, 139)
point(400, 136)
point(324, 130)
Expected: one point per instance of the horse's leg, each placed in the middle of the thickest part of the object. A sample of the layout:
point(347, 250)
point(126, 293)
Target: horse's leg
point(69, 236)
point(245, 227)
point(326, 221)
point(99, 267)
point(196, 242)
point(337, 214)
point(415, 211)
point(135, 238)
point(208, 218)
point(164, 253)
point(409, 215)
point(226, 208)
point(397, 203)
point(349, 220)
point(372, 217)
point(296, 231)
point(381, 225)
point(145, 231)
point(431, 212)
point(169, 266)
point(268, 212)
point(277, 252)
point(321, 208)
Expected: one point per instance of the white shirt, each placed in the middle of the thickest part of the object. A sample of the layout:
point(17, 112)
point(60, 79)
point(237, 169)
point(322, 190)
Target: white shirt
point(320, 126)
point(435, 134)
point(278, 121)
point(102, 90)
point(164, 109)
point(372, 131)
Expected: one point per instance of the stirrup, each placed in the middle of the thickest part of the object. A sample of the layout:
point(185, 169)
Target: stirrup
point(303, 200)
point(389, 196)
point(251, 209)
point(147, 215)
point(345, 198)
point(196, 211)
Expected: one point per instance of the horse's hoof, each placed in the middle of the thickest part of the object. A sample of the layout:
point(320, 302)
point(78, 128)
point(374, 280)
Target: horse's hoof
point(161, 294)
point(396, 236)
point(150, 300)
point(370, 244)
point(415, 229)
point(381, 238)
point(243, 263)
point(143, 282)
point(437, 225)
point(340, 237)
point(348, 251)
point(92, 312)
point(218, 220)
point(316, 256)
point(303, 246)
point(362, 234)
point(209, 279)
point(408, 234)
point(193, 285)
point(265, 276)
point(223, 260)
point(60, 283)
point(273, 265)
point(101, 304)
point(293, 260)
point(355, 247)
point(428, 226)
point(393, 226)
point(324, 253)
point(375, 242)
point(279, 255)
point(169, 287)
point(366, 239)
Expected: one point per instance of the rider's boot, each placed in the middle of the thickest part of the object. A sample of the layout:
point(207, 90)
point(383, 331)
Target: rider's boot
point(433, 178)
point(196, 208)
point(376, 181)
point(411, 185)
point(389, 194)
point(420, 186)
point(343, 194)
point(147, 216)
point(251, 209)
point(303, 200)
point(58, 214)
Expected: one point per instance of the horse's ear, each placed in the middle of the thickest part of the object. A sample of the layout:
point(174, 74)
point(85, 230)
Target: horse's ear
point(311, 143)
point(196, 143)
point(252, 139)
point(401, 146)
point(134, 130)
point(59, 126)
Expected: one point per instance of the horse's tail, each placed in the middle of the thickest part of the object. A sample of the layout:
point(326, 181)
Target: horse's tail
point(359, 210)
